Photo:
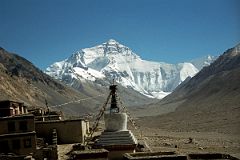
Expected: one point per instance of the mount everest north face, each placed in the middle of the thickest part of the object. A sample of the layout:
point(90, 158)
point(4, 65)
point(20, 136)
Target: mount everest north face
point(112, 60)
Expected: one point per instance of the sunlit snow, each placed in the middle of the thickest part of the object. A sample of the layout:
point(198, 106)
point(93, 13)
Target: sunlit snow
point(114, 60)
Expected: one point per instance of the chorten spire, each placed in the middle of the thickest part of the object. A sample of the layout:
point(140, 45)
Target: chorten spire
point(114, 105)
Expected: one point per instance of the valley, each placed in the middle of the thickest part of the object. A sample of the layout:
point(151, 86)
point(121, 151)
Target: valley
point(200, 115)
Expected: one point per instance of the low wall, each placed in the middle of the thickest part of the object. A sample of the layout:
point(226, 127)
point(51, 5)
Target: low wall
point(209, 156)
point(154, 156)
point(173, 155)
point(90, 154)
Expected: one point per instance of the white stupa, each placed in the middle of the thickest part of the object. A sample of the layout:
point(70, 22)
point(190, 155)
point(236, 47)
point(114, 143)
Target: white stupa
point(116, 133)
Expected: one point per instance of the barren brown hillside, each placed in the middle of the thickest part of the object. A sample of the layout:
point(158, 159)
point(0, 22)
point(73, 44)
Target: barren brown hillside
point(209, 102)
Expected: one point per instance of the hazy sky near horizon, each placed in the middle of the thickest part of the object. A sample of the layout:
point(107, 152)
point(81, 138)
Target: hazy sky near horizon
point(172, 31)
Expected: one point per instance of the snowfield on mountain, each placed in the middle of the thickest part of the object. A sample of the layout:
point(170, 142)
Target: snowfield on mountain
point(112, 60)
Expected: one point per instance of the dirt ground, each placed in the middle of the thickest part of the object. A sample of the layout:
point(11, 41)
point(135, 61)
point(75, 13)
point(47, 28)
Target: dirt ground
point(189, 142)
point(63, 150)
point(181, 142)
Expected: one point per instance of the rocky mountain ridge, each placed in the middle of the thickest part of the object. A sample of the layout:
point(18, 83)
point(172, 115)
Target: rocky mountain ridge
point(22, 81)
point(112, 60)
point(208, 102)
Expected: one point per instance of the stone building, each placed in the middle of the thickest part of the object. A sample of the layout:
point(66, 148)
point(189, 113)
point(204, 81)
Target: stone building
point(17, 134)
point(68, 131)
point(10, 108)
point(44, 114)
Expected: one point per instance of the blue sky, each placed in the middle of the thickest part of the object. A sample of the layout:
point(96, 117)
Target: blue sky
point(45, 31)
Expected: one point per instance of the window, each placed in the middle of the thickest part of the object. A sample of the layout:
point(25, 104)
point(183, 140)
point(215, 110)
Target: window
point(23, 126)
point(11, 126)
point(27, 143)
point(16, 144)
point(4, 148)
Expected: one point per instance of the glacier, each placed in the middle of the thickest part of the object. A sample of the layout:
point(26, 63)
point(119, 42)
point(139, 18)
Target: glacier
point(112, 60)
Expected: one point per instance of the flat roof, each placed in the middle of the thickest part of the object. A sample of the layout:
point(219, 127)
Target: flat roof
point(61, 121)
point(15, 101)
point(20, 116)
point(18, 134)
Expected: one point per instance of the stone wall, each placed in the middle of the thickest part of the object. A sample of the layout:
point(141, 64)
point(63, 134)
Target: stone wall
point(18, 144)
point(17, 135)
point(68, 131)
point(17, 124)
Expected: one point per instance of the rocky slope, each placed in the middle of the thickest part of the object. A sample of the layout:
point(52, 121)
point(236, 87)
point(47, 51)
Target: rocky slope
point(207, 102)
point(112, 60)
point(22, 81)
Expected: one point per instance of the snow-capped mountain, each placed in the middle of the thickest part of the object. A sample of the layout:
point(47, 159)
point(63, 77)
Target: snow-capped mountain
point(112, 60)
point(199, 63)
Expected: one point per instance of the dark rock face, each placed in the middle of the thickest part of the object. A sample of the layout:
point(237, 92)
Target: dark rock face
point(226, 62)
point(22, 81)
point(20, 67)
point(217, 73)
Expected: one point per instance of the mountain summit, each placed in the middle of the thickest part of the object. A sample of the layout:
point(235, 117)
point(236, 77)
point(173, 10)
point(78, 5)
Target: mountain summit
point(112, 60)
point(114, 47)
